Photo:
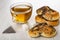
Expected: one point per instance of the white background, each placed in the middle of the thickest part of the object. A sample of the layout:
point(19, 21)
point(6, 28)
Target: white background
point(6, 21)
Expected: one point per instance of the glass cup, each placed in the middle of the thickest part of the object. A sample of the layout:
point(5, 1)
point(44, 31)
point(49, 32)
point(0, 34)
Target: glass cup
point(21, 12)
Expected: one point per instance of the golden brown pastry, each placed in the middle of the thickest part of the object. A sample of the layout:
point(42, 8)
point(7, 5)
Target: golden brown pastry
point(40, 19)
point(48, 31)
point(34, 32)
point(48, 13)
point(51, 15)
point(42, 10)
point(42, 30)
point(53, 23)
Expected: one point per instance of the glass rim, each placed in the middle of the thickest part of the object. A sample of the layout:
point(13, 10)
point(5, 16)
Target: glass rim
point(18, 3)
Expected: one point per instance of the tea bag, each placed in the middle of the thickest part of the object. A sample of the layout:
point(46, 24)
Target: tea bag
point(9, 30)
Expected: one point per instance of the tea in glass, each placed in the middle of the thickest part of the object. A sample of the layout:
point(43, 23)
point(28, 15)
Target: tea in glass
point(21, 12)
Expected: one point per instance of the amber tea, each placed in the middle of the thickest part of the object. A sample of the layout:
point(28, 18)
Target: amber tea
point(21, 13)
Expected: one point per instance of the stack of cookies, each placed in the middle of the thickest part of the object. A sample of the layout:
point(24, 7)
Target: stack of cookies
point(47, 15)
point(47, 18)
